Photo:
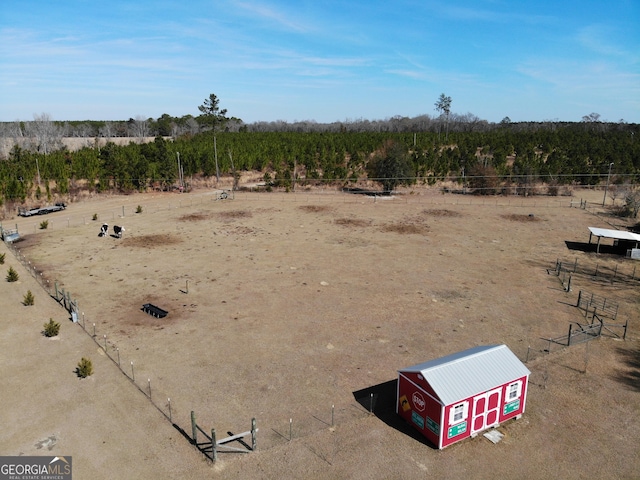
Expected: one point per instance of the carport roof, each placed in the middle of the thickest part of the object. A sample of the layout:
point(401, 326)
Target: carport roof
point(617, 234)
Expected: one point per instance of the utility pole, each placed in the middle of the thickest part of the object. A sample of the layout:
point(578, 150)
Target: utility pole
point(607, 185)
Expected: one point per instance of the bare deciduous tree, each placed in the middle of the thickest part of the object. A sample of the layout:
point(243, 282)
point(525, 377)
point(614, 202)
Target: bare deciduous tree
point(139, 127)
point(632, 201)
point(45, 135)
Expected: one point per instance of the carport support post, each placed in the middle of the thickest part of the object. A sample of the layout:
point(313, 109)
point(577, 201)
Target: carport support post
point(194, 428)
point(214, 452)
point(254, 440)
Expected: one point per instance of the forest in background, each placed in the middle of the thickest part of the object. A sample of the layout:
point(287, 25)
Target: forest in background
point(482, 157)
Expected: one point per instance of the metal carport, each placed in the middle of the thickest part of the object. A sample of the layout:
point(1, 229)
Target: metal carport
point(615, 234)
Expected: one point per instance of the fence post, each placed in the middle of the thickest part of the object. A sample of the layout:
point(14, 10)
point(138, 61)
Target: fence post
point(569, 336)
point(575, 265)
point(579, 298)
point(194, 428)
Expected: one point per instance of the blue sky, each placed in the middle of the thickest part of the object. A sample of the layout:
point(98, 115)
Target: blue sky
point(320, 60)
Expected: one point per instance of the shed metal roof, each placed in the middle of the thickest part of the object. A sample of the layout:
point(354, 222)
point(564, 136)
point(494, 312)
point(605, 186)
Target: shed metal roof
point(617, 234)
point(467, 373)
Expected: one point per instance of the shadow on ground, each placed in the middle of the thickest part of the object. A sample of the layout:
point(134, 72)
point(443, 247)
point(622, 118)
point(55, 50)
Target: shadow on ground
point(592, 247)
point(630, 376)
point(380, 400)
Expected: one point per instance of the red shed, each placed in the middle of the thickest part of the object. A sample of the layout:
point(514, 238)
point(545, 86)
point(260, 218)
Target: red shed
point(455, 397)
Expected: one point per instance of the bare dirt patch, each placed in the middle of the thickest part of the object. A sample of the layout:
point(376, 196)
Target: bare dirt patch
point(405, 228)
point(520, 217)
point(352, 222)
point(442, 212)
point(151, 241)
point(315, 208)
point(195, 217)
point(231, 215)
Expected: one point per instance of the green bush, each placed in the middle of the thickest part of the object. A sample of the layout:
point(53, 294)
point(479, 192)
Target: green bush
point(44, 224)
point(95, 217)
point(139, 209)
point(28, 299)
point(84, 368)
point(12, 275)
point(2, 258)
point(51, 328)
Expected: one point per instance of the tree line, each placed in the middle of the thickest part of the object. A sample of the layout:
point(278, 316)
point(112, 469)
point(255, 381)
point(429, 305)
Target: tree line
point(561, 155)
point(479, 156)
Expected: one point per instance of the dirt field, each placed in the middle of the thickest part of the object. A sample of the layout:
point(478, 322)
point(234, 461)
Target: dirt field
point(284, 305)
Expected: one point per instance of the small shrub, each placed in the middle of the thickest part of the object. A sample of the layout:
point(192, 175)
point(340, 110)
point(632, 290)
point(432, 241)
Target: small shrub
point(95, 217)
point(84, 368)
point(51, 328)
point(12, 275)
point(28, 299)
point(44, 224)
point(2, 258)
point(139, 209)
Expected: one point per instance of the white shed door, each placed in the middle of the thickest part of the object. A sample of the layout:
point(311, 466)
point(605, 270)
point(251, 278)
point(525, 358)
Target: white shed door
point(486, 410)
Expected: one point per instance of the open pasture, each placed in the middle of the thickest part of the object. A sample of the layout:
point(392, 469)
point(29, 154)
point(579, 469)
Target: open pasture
point(284, 305)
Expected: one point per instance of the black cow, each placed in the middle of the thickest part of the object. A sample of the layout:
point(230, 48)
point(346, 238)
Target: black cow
point(117, 230)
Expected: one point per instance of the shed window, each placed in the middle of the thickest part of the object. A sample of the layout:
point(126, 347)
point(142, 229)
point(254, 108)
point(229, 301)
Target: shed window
point(513, 390)
point(458, 413)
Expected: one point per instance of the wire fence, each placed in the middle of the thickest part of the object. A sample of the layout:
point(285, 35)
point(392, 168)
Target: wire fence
point(140, 376)
point(65, 219)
